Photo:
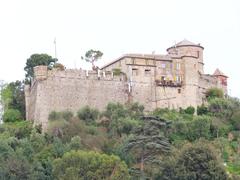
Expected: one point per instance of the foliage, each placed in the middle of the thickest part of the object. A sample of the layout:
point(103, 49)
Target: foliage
point(64, 115)
point(202, 110)
point(214, 93)
point(125, 131)
point(75, 143)
point(59, 66)
point(12, 97)
point(223, 108)
point(12, 115)
point(195, 161)
point(92, 56)
point(149, 141)
point(189, 110)
point(89, 165)
point(36, 60)
point(87, 114)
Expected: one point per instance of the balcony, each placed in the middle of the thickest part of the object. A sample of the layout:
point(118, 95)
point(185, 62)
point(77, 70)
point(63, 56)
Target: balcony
point(165, 83)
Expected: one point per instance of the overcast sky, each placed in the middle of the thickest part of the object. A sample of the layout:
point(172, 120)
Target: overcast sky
point(116, 27)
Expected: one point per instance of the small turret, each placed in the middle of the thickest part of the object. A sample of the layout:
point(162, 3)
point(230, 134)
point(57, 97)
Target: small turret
point(222, 80)
point(40, 72)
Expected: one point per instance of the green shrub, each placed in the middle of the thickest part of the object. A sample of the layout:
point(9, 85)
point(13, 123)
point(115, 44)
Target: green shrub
point(67, 115)
point(214, 93)
point(190, 110)
point(12, 115)
point(54, 116)
point(87, 114)
point(202, 110)
point(92, 130)
point(75, 143)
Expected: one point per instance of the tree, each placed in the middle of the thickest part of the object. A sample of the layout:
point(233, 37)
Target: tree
point(214, 93)
point(36, 60)
point(149, 142)
point(88, 115)
point(223, 108)
point(194, 161)
point(92, 56)
point(89, 165)
point(13, 97)
point(11, 115)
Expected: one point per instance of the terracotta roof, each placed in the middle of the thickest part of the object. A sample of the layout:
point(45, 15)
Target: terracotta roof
point(185, 42)
point(218, 73)
point(144, 56)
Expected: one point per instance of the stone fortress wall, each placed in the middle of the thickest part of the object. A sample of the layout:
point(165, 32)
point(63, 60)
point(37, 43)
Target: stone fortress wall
point(173, 80)
point(54, 90)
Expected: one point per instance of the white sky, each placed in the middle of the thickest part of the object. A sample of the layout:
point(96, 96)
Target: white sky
point(116, 27)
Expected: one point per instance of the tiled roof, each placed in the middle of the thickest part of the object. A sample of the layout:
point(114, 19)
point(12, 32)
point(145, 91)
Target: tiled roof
point(218, 73)
point(185, 42)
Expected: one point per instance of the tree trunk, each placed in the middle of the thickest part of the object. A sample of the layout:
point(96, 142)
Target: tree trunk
point(142, 167)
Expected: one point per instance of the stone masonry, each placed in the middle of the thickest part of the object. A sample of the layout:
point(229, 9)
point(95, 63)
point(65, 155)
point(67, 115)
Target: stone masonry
point(173, 80)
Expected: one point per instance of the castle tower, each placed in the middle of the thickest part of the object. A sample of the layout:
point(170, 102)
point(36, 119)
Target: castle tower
point(40, 72)
point(191, 56)
point(222, 80)
point(186, 48)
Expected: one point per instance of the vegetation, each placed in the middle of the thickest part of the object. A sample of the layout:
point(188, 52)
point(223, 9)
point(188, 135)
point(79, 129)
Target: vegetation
point(92, 56)
point(13, 99)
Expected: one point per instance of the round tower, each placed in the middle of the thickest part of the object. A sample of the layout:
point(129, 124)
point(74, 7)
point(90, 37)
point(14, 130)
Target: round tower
point(191, 56)
point(186, 48)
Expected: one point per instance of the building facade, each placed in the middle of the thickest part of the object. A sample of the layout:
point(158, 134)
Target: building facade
point(173, 80)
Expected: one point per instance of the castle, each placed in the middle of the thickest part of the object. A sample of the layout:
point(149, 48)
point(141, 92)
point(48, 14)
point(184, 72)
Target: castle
point(173, 80)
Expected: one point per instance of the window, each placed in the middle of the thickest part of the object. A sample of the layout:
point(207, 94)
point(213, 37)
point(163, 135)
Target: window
point(133, 60)
point(163, 65)
point(179, 91)
point(178, 66)
point(134, 72)
point(179, 79)
point(147, 72)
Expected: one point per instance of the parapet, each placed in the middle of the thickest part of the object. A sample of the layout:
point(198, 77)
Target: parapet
point(42, 73)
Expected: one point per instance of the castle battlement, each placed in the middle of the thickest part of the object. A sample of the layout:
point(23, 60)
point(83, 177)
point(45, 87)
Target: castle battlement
point(43, 73)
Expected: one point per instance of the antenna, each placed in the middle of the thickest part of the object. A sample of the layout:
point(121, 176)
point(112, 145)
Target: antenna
point(175, 44)
point(55, 46)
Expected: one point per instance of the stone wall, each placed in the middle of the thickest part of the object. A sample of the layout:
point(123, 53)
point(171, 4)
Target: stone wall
point(71, 90)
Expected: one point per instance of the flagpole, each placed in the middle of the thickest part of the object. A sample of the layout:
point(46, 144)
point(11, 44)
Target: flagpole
point(55, 45)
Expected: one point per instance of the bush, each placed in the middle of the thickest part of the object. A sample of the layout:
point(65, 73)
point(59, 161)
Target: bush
point(202, 110)
point(190, 110)
point(87, 114)
point(54, 116)
point(12, 115)
point(89, 165)
point(195, 161)
point(75, 143)
point(214, 93)
point(67, 115)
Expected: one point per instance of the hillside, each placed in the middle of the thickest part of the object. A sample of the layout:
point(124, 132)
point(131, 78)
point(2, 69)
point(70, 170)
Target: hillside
point(122, 142)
